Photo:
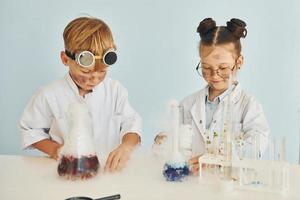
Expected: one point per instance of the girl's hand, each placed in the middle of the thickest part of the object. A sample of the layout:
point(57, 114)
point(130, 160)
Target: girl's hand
point(194, 165)
point(159, 138)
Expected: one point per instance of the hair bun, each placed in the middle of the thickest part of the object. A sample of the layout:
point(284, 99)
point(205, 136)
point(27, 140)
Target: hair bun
point(237, 27)
point(205, 26)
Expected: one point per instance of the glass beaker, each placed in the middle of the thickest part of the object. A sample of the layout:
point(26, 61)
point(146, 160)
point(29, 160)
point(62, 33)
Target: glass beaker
point(78, 159)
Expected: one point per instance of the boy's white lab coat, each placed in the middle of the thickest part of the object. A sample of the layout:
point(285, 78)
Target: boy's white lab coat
point(248, 117)
point(112, 116)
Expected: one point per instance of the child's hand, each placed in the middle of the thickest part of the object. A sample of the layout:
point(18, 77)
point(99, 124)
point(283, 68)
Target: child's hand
point(118, 158)
point(49, 147)
point(58, 153)
point(194, 165)
point(159, 138)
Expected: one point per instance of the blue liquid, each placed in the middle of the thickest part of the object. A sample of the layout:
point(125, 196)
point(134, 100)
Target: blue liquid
point(176, 171)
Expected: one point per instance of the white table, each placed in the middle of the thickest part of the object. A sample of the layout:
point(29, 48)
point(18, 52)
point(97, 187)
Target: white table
point(24, 177)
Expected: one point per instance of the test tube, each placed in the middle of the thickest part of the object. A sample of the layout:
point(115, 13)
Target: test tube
point(271, 149)
point(175, 124)
point(256, 155)
point(256, 147)
point(299, 132)
point(282, 149)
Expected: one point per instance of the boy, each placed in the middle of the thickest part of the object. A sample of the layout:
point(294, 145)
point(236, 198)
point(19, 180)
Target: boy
point(89, 50)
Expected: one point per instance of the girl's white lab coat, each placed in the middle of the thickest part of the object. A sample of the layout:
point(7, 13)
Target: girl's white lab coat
point(112, 116)
point(248, 117)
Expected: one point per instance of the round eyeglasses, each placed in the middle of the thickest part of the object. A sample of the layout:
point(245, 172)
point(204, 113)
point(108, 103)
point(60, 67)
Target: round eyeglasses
point(223, 71)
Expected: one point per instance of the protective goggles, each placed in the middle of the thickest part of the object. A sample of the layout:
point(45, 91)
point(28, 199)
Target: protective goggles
point(87, 58)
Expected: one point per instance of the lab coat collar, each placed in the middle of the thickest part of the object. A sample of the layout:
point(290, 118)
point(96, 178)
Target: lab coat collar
point(71, 83)
point(236, 93)
point(221, 96)
point(74, 87)
point(198, 108)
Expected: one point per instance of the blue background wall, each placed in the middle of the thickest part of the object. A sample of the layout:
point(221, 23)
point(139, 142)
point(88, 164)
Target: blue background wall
point(157, 45)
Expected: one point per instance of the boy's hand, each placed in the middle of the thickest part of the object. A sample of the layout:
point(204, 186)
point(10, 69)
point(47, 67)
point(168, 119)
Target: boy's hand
point(57, 155)
point(49, 147)
point(118, 158)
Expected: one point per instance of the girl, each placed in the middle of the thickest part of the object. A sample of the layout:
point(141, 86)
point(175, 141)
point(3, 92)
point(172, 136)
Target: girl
point(220, 60)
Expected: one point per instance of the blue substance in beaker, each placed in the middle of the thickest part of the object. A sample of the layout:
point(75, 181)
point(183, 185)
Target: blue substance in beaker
point(176, 171)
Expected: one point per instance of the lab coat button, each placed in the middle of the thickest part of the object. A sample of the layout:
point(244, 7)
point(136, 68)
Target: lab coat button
point(200, 121)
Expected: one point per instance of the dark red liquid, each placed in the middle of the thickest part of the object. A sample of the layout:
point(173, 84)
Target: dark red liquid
point(83, 167)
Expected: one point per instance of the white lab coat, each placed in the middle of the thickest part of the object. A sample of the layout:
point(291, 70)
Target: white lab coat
point(248, 116)
point(112, 116)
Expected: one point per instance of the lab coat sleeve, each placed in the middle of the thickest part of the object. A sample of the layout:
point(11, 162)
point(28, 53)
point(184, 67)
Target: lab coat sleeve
point(131, 121)
point(35, 121)
point(255, 123)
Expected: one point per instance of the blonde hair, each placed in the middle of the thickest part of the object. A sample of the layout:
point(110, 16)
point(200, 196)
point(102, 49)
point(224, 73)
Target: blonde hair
point(86, 33)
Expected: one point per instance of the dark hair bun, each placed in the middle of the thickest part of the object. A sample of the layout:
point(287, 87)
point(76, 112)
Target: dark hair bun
point(237, 27)
point(205, 26)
